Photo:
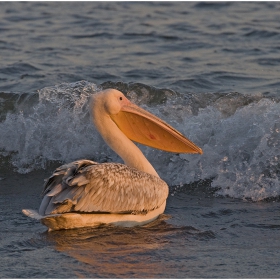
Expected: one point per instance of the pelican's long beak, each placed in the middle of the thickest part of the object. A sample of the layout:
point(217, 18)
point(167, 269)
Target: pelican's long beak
point(145, 128)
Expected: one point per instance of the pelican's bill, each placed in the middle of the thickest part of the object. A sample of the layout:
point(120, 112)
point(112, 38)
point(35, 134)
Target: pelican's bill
point(143, 127)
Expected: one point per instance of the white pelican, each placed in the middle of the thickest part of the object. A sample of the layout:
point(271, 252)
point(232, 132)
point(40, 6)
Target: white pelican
point(85, 193)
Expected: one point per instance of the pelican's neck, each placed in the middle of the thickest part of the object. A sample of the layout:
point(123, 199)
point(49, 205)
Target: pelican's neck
point(124, 147)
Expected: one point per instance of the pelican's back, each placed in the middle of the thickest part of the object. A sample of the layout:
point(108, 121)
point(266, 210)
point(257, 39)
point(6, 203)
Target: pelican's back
point(85, 186)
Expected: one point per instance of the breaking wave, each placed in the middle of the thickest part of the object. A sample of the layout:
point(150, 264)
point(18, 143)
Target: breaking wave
point(239, 134)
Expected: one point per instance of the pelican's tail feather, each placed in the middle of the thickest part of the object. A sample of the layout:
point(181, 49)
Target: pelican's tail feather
point(32, 214)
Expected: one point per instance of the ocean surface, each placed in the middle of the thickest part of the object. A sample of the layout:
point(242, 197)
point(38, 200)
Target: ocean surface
point(211, 70)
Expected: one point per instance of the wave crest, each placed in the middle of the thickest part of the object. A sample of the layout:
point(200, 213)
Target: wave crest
point(239, 134)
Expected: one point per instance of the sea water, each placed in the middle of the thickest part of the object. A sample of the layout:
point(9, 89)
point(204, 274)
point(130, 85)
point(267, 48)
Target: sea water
point(209, 69)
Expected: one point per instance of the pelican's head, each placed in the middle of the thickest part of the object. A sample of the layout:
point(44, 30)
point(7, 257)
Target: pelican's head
point(113, 101)
point(138, 124)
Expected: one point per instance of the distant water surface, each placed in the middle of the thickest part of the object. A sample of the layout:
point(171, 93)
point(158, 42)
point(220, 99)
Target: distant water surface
point(210, 69)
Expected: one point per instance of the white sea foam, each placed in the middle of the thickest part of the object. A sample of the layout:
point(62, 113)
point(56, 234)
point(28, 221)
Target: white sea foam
point(241, 144)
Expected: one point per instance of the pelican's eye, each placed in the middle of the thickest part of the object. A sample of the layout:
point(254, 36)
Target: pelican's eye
point(120, 98)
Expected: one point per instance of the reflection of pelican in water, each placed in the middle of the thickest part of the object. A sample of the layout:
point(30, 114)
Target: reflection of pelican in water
point(85, 193)
point(110, 252)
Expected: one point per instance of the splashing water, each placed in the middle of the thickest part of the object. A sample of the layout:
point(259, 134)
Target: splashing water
point(239, 135)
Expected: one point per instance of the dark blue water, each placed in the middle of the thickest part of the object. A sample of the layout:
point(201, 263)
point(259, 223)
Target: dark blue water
point(209, 69)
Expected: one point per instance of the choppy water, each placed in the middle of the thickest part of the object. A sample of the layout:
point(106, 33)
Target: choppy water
point(209, 69)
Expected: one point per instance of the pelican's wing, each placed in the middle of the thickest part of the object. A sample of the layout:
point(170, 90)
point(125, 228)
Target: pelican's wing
point(86, 186)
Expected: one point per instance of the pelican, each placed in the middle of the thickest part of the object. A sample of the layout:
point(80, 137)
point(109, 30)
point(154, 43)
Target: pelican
point(85, 193)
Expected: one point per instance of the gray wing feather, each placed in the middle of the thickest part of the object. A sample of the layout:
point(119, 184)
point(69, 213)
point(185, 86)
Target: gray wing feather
point(86, 186)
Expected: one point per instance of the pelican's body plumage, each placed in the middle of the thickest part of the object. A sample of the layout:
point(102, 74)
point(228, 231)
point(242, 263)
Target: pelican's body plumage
point(86, 193)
